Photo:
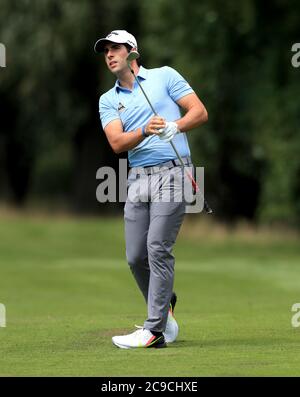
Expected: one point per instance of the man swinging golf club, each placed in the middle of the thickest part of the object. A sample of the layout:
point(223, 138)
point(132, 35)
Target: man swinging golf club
point(141, 115)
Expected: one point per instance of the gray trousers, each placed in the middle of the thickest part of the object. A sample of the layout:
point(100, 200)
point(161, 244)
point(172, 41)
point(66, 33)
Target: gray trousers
point(153, 213)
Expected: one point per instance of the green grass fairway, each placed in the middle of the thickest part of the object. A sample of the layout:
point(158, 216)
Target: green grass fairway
point(67, 290)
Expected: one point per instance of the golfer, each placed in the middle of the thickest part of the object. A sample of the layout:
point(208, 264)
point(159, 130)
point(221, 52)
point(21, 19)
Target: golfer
point(151, 223)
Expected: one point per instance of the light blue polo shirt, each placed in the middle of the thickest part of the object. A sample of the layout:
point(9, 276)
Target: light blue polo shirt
point(163, 86)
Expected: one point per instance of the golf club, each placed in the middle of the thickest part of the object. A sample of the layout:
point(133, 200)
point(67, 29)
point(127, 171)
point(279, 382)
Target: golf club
point(133, 55)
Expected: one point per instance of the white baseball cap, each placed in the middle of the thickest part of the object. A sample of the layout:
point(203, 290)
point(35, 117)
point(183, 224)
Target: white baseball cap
point(116, 36)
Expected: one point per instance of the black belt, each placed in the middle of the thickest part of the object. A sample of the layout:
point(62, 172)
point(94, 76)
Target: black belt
point(151, 169)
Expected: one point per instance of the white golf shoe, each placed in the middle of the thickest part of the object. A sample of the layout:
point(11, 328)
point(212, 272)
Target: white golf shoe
point(144, 338)
point(140, 338)
point(171, 331)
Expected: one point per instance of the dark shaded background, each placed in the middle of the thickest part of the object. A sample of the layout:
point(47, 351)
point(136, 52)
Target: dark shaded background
point(237, 57)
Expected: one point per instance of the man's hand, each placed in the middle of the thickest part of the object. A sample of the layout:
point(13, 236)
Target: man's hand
point(167, 133)
point(155, 124)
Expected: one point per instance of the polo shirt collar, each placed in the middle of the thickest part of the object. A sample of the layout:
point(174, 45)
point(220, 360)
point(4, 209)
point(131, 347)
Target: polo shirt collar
point(143, 73)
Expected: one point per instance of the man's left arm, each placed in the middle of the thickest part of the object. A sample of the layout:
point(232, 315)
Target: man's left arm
point(195, 112)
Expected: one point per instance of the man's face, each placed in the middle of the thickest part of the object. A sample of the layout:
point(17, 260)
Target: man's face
point(115, 57)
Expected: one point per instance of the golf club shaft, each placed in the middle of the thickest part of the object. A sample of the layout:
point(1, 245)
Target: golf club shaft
point(194, 183)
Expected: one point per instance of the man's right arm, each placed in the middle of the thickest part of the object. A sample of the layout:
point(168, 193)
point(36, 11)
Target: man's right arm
point(121, 141)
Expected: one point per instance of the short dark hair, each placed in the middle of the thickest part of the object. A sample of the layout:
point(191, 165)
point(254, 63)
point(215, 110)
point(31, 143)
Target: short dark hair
point(129, 48)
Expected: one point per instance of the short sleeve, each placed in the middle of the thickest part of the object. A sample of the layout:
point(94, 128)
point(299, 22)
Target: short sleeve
point(178, 87)
point(107, 111)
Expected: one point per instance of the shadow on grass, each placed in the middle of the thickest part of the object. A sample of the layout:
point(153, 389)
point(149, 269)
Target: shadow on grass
point(236, 342)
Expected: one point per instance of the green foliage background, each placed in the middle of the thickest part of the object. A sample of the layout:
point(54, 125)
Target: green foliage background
point(236, 55)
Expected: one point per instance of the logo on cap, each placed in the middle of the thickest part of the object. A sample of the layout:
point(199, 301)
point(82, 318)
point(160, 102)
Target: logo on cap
point(112, 33)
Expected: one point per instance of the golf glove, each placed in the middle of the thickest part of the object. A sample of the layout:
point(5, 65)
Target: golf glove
point(168, 133)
